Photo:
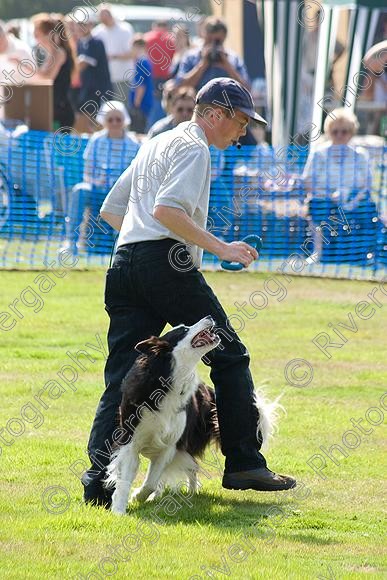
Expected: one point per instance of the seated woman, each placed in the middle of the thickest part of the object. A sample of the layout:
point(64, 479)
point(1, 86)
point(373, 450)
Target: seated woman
point(107, 154)
point(337, 179)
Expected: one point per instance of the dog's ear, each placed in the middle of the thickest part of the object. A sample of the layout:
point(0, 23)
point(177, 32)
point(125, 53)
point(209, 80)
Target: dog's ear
point(152, 345)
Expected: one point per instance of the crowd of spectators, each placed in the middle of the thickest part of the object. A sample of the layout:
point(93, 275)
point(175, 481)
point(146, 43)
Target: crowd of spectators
point(107, 152)
point(102, 59)
point(145, 84)
point(337, 177)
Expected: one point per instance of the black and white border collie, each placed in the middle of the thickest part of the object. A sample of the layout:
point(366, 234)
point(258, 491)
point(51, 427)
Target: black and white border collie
point(168, 415)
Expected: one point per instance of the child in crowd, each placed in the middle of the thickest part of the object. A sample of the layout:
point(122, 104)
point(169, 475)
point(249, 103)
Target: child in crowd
point(141, 88)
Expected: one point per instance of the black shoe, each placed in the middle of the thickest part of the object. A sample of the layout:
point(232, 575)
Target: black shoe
point(100, 500)
point(261, 479)
point(97, 495)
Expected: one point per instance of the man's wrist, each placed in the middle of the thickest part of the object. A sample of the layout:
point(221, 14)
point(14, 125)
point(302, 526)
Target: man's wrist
point(217, 246)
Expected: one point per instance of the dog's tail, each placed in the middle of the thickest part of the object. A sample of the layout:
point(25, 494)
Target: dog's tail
point(112, 469)
point(269, 413)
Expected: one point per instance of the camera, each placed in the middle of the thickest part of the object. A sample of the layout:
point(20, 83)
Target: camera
point(215, 54)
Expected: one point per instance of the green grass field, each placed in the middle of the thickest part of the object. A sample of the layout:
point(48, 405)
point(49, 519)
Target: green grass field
point(330, 528)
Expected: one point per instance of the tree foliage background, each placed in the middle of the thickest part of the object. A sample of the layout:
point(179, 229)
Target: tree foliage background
point(26, 8)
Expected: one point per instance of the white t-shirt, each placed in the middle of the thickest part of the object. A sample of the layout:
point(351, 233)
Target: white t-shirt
point(172, 169)
point(19, 50)
point(117, 39)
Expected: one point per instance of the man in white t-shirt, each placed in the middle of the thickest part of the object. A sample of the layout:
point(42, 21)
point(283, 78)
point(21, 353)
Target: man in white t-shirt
point(160, 207)
point(117, 38)
point(12, 51)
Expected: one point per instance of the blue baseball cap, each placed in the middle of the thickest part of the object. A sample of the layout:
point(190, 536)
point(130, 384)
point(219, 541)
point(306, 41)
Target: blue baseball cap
point(229, 94)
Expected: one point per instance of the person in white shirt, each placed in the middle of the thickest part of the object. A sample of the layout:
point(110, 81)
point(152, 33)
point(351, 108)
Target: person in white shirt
point(12, 51)
point(118, 39)
point(107, 154)
point(160, 207)
point(338, 175)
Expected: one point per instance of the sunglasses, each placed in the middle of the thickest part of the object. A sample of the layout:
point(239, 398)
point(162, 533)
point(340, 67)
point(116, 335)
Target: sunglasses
point(114, 120)
point(340, 131)
point(243, 124)
point(185, 110)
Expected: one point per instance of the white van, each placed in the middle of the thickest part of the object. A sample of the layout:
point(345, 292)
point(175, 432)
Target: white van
point(142, 17)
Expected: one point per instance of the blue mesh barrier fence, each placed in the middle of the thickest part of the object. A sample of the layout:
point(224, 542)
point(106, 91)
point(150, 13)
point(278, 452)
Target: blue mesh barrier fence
point(318, 214)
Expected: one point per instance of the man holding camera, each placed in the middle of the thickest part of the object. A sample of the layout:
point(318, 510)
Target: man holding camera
point(212, 60)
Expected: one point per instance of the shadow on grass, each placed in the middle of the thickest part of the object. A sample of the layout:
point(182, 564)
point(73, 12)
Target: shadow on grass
point(255, 517)
point(309, 539)
point(206, 508)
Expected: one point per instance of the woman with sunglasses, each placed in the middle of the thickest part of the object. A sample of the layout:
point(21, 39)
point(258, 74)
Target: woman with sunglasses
point(337, 177)
point(181, 105)
point(108, 153)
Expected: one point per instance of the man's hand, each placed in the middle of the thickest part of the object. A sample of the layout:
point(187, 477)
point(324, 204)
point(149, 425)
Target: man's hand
point(238, 252)
point(223, 61)
point(205, 53)
point(180, 223)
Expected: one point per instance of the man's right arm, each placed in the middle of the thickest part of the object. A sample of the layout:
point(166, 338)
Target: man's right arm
point(189, 74)
point(177, 200)
point(177, 221)
point(193, 77)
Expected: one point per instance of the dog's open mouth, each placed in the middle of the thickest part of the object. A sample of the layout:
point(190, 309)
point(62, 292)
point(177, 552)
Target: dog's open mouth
point(204, 338)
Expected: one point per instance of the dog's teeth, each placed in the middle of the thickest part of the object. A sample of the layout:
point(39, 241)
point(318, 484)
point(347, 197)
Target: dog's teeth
point(204, 338)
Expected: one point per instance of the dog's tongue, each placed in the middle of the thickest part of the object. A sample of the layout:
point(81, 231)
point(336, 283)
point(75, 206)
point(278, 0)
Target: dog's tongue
point(202, 338)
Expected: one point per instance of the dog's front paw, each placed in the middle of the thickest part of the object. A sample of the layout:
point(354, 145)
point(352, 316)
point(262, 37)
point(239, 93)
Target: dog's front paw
point(119, 503)
point(118, 510)
point(140, 494)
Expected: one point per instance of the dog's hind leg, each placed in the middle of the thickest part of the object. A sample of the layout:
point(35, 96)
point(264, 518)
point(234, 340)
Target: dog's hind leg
point(183, 467)
point(127, 466)
point(158, 493)
point(153, 475)
point(193, 479)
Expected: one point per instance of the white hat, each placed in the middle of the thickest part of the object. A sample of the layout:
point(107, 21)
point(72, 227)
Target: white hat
point(110, 106)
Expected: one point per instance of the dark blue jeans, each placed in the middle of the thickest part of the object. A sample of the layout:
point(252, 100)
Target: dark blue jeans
point(143, 293)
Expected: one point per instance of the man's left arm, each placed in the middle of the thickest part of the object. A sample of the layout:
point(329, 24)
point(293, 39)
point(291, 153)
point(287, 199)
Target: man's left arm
point(112, 219)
